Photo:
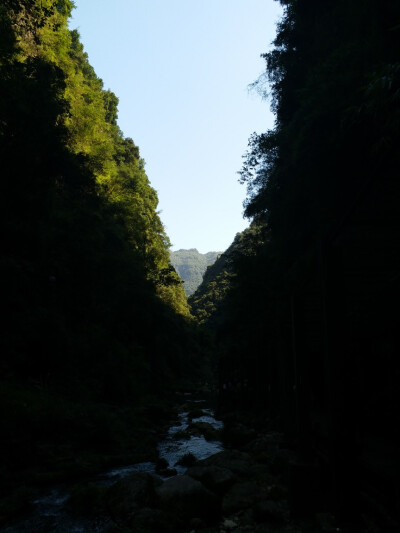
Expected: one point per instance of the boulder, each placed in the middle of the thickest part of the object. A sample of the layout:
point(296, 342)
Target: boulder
point(229, 524)
point(260, 473)
point(238, 434)
point(184, 498)
point(242, 496)
point(277, 492)
point(238, 462)
point(214, 478)
point(161, 464)
point(204, 428)
point(195, 413)
point(269, 443)
point(188, 459)
point(147, 520)
point(167, 472)
point(163, 469)
point(130, 494)
point(270, 511)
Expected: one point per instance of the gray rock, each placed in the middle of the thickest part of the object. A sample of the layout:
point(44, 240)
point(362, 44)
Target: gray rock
point(277, 492)
point(147, 520)
point(196, 524)
point(215, 478)
point(238, 462)
point(266, 443)
point(130, 494)
point(242, 496)
point(205, 429)
point(168, 472)
point(188, 459)
point(196, 413)
point(229, 524)
point(183, 497)
point(270, 511)
point(261, 474)
point(239, 434)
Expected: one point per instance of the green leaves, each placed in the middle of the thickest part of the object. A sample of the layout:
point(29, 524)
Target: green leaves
point(77, 209)
point(191, 266)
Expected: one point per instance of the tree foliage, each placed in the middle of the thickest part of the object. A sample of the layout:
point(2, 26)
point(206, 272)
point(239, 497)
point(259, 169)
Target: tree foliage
point(191, 266)
point(212, 300)
point(92, 301)
point(333, 82)
point(321, 76)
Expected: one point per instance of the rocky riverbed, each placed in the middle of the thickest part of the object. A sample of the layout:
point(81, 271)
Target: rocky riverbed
point(83, 506)
point(238, 489)
point(208, 479)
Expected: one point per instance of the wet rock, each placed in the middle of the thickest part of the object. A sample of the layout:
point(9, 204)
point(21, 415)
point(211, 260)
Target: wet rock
point(325, 523)
point(86, 499)
point(277, 492)
point(147, 520)
point(238, 462)
point(246, 521)
point(238, 434)
point(131, 494)
point(270, 511)
point(187, 460)
point(242, 496)
point(229, 524)
point(266, 528)
point(215, 478)
point(161, 464)
point(167, 472)
point(269, 443)
point(196, 524)
point(181, 435)
point(204, 428)
point(195, 413)
point(186, 498)
point(163, 469)
point(261, 473)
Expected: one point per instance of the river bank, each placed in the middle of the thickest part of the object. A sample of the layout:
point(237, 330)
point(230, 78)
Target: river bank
point(157, 439)
point(202, 476)
point(60, 443)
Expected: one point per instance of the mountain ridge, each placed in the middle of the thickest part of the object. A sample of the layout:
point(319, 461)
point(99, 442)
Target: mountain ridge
point(191, 265)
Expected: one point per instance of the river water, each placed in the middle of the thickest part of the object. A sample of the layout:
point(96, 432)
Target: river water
point(50, 511)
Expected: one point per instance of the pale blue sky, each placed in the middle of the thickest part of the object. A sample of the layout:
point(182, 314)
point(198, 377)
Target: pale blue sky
point(181, 70)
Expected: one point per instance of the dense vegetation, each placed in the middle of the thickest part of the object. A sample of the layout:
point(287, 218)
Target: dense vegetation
point(211, 301)
point(95, 316)
point(302, 309)
point(306, 320)
point(191, 266)
point(333, 81)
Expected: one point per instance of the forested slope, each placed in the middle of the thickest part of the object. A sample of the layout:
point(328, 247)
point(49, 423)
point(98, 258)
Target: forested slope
point(94, 313)
point(302, 309)
point(191, 266)
point(309, 323)
point(211, 301)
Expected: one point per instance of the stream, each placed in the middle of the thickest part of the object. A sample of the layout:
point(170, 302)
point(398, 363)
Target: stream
point(50, 512)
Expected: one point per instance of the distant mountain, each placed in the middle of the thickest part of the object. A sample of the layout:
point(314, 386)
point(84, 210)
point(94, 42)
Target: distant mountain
point(214, 291)
point(191, 266)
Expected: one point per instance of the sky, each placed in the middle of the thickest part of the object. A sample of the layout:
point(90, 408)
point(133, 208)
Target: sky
point(181, 70)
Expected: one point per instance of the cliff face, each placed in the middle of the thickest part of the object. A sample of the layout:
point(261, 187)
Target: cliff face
point(191, 265)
